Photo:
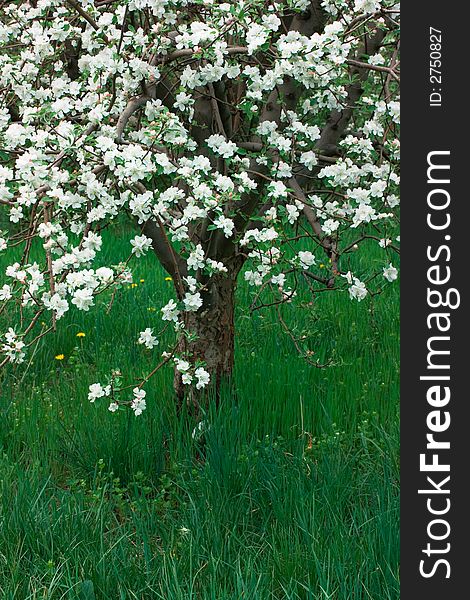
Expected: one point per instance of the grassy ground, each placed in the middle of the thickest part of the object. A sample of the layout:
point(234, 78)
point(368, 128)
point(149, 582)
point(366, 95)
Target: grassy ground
point(293, 493)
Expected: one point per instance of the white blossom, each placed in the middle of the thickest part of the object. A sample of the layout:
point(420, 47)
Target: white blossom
point(218, 144)
point(227, 225)
point(390, 273)
point(147, 339)
point(192, 302)
point(140, 245)
point(138, 403)
point(83, 299)
point(358, 290)
point(170, 311)
point(57, 304)
point(307, 259)
point(5, 292)
point(202, 377)
point(96, 390)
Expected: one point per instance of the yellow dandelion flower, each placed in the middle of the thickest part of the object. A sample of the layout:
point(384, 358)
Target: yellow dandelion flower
point(142, 280)
point(168, 278)
point(134, 285)
point(322, 266)
point(81, 334)
point(59, 356)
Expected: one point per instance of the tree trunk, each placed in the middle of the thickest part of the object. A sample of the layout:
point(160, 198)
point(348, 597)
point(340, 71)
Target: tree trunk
point(213, 324)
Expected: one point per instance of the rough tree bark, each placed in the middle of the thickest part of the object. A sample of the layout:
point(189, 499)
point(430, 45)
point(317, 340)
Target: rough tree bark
point(214, 328)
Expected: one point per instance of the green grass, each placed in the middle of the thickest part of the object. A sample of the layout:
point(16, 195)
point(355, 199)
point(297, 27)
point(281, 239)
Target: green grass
point(292, 493)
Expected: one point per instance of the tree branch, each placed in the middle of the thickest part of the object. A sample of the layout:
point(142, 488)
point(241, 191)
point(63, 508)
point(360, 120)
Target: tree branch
point(171, 261)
